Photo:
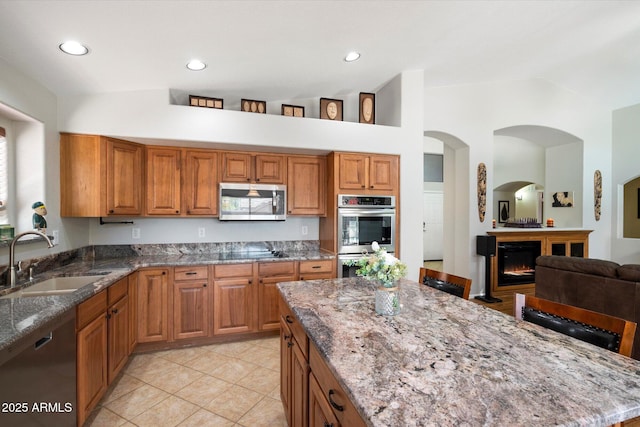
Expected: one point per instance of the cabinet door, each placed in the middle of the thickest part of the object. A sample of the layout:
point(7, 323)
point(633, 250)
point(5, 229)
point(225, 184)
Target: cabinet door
point(91, 366)
point(152, 307)
point(190, 309)
point(299, 387)
point(306, 192)
point(383, 173)
point(124, 178)
point(133, 318)
point(118, 337)
point(201, 182)
point(320, 413)
point(352, 171)
point(318, 269)
point(233, 306)
point(270, 169)
point(163, 181)
point(286, 344)
point(236, 167)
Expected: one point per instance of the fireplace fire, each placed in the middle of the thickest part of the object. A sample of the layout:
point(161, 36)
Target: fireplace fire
point(517, 262)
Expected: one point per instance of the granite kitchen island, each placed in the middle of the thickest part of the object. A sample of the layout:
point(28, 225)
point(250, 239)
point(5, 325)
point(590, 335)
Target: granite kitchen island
point(447, 361)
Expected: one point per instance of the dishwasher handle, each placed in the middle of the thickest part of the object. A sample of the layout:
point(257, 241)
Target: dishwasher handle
point(43, 341)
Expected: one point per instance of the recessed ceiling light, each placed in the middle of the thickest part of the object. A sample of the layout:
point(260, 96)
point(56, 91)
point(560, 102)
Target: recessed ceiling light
point(196, 65)
point(74, 48)
point(352, 56)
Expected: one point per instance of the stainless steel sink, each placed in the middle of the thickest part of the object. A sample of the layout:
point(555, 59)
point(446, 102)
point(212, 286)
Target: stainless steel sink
point(54, 286)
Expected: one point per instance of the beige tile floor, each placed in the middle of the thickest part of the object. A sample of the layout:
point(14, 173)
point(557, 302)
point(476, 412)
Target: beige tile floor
point(232, 384)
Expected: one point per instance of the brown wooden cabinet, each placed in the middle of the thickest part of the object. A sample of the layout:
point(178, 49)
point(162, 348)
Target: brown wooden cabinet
point(269, 274)
point(163, 181)
point(200, 182)
point(368, 173)
point(153, 304)
point(191, 302)
point(253, 167)
point(286, 342)
point(233, 299)
point(320, 412)
point(118, 336)
point(307, 185)
point(317, 269)
point(133, 318)
point(100, 176)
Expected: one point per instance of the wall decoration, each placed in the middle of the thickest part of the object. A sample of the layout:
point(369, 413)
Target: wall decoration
point(292, 110)
point(39, 212)
point(597, 194)
point(503, 211)
point(253, 106)
point(562, 199)
point(201, 101)
point(482, 191)
point(367, 108)
point(331, 109)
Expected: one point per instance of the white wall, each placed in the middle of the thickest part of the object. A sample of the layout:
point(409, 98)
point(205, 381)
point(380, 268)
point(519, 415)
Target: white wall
point(516, 159)
point(472, 113)
point(626, 146)
point(149, 115)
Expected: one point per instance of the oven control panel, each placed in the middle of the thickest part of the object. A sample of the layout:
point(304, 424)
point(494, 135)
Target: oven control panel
point(350, 200)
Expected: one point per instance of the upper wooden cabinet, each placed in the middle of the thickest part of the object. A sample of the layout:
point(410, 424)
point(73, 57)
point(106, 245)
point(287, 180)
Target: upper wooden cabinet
point(200, 182)
point(249, 167)
point(100, 176)
point(307, 185)
point(163, 181)
point(367, 173)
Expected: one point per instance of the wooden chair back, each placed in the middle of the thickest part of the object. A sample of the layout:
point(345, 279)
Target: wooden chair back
point(450, 279)
point(589, 323)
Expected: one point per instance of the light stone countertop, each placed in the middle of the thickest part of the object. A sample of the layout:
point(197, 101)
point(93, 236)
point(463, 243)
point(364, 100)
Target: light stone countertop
point(21, 316)
point(445, 361)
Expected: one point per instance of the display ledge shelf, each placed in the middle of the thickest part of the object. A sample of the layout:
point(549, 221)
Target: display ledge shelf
point(4, 243)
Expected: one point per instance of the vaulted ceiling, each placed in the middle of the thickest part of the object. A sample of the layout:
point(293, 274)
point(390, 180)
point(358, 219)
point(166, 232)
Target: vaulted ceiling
point(278, 50)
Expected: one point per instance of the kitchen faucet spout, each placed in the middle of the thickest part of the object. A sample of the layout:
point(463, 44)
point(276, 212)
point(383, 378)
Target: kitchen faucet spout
point(12, 248)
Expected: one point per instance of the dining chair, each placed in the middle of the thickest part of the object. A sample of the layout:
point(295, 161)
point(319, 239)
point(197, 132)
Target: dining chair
point(609, 332)
point(449, 283)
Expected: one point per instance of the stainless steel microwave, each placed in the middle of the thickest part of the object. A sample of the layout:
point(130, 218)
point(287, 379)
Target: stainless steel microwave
point(252, 202)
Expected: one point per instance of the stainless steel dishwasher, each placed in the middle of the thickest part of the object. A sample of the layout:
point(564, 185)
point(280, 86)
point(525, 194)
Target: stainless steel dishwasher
point(38, 377)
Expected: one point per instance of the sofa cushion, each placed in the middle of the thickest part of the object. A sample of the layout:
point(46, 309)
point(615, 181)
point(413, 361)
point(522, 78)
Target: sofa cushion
point(598, 267)
point(629, 272)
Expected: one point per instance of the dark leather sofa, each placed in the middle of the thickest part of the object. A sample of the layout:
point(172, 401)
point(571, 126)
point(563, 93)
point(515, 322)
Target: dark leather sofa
point(594, 284)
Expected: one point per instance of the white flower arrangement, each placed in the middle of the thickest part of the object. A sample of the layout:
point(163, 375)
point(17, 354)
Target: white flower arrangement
point(380, 266)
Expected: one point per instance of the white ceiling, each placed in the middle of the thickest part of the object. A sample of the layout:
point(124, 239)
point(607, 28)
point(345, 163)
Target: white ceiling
point(283, 50)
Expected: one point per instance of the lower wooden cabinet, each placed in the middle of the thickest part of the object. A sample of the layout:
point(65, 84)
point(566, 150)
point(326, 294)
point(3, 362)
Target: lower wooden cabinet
point(320, 412)
point(317, 269)
point(91, 366)
point(233, 299)
point(117, 336)
point(192, 297)
point(269, 274)
point(153, 305)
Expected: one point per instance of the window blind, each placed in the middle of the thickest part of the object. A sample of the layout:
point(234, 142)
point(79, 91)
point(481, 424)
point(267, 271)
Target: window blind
point(4, 179)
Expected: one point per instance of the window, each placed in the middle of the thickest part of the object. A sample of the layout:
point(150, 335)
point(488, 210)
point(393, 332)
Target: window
point(4, 179)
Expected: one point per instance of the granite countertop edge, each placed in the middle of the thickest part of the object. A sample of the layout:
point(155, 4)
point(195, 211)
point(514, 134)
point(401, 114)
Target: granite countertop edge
point(19, 317)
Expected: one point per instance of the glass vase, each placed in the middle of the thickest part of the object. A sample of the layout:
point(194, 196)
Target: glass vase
point(387, 300)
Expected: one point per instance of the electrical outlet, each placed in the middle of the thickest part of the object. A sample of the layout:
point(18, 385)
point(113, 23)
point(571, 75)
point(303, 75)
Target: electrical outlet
point(56, 237)
point(305, 230)
point(201, 232)
point(135, 233)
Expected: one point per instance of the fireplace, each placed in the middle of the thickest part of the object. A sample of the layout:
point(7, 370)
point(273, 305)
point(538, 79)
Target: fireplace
point(517, 262)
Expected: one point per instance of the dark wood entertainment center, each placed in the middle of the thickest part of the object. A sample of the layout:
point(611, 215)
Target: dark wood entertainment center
point(567, 242)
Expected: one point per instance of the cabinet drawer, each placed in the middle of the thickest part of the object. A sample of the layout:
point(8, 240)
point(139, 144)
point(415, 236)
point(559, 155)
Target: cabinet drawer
point(233, 270)
point(90, 309)
point(294, 325)
point(347, 415)
point(317, 266)
point(117, 291)
point(266, 269)
point(190, 273)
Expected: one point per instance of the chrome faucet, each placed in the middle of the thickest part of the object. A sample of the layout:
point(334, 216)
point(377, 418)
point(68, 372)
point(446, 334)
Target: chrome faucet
point(12, 248)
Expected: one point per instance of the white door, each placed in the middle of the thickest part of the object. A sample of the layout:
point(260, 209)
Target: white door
point(432, 225)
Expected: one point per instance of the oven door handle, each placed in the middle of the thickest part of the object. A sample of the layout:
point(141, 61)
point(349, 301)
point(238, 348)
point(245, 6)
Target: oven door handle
point(361, 212)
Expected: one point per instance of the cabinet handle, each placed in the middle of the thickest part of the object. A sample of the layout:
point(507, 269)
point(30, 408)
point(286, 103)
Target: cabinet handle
point(364, 186)
point(108, 315)
point(204, 285)
point(326, 424)
point(249, 281)
point(301, 278)
point(114, 311)
point(190, 273)
point(289, 344)
point(286, 337)
point(288, 319)
point(177, 212)
point(164, 273)
point(372, 186)
point(334, 404)
point(257, 179)
point(111, 210)
point(316, 266)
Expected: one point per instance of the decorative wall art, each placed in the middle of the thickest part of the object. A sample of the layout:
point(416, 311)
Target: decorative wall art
point(367, 108)
point(292, 110)
point(503, 211)
point(331, 109)
point(597, 194)
point(253, 106)
point(562, 199)
point(201, 101)
point(482, 190)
